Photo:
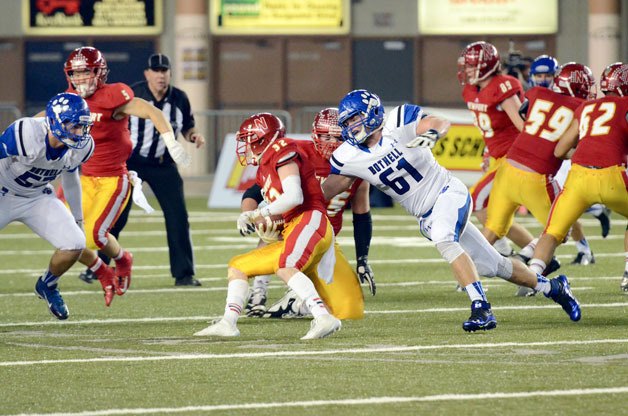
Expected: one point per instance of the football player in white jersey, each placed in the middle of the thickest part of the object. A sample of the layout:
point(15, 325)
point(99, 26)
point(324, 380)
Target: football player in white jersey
point(33, 152)
point(395, 156)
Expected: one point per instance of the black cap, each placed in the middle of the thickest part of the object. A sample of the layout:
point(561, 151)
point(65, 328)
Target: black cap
point(158, 61)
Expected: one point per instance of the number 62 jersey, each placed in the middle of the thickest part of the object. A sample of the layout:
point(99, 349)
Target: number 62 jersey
point(411, 176)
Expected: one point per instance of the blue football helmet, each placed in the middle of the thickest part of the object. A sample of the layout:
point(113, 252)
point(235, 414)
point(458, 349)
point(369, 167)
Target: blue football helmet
point(543, 65)
point(371, 111)
point(64, 113)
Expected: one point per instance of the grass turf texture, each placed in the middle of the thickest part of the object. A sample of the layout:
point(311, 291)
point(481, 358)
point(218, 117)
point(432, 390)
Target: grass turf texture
point(140, 354)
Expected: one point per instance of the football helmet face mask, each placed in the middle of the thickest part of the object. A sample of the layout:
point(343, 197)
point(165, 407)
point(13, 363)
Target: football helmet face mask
point(86, 70)
point(255, 135)
point(69, 120)
point(542, 71)
point(360, 114)
point(477, 62)
point(615, 79)
point(576, 80)
point(326, 133)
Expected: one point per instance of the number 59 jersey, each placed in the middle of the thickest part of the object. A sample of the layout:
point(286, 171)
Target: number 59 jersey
point(30, 164)
point(412, 177)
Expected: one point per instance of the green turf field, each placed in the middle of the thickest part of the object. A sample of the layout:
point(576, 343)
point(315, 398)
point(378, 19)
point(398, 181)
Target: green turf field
point(409, 356)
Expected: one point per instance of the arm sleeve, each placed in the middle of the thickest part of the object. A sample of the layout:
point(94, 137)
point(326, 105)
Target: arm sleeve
point(362, 233)
point(291, 197)
point(72, 190)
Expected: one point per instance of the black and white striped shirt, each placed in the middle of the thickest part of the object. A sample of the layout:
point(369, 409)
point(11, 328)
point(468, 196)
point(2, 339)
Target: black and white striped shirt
point(146, 142)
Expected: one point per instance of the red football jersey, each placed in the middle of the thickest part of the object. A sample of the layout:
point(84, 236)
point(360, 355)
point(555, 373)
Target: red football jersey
point(485, 104)
point(549, 115)
point(338, 204)
point(111, 137)
point(603, 132)
point(282, 152)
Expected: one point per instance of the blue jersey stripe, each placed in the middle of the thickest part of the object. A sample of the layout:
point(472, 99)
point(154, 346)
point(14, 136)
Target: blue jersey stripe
point(8, 146)
point(410, 113)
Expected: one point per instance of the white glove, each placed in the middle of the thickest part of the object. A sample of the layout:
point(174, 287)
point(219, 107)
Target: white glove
point(267, 232)
point(177, 152)
point(245, 223)
point(426, 140)
point(138, 195)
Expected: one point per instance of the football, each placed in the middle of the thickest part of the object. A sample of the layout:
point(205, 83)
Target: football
point(261, 221)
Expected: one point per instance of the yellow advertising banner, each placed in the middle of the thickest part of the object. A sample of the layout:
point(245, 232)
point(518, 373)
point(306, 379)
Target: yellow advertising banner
point(279, 17)
point(461, 148)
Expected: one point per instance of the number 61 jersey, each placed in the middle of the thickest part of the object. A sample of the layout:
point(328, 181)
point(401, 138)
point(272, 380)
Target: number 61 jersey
point(412, 177)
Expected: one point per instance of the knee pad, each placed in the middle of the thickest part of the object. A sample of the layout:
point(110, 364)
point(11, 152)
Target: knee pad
point(450, 250)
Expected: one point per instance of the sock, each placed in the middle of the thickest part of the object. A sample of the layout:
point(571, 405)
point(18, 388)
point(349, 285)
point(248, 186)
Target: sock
point(528, 251)
point(583, 246)
point(475, 291)
point(120, 254)
point(542, 285)
point(237, 294)
point(96, 265)
point(50, 279)
point(537, 266)
point(261, 283)
point(304, 288)
point(626, 269)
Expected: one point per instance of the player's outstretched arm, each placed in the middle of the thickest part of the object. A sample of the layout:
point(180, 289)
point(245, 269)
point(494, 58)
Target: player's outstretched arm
point(334, 184)
point(429, 130)
point(143, 109)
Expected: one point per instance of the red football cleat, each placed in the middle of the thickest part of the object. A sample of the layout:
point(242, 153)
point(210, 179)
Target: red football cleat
point(107, 277)
point(123, 273)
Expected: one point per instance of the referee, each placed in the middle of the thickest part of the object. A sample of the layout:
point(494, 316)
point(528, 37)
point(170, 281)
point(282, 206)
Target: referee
point(151, 160)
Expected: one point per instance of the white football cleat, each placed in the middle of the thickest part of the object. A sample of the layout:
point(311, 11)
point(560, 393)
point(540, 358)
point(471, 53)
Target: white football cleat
point(221, 328)
point(322, 327)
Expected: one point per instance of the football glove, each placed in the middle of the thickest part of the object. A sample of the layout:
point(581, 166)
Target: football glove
point(245, 223)
point(177, 152)
point(365, 274)
point(426, 140)
point(268, 231)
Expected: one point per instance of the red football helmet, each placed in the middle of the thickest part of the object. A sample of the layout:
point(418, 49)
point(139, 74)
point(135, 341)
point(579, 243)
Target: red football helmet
point(326, 133)
point(256, 133)
point(85, 59)
point(615, 79)
point(477, 62)
point(576, 80)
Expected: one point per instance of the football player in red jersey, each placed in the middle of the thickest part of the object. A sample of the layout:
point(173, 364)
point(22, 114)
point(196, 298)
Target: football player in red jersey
point(527, 176)
point(494, 101)
point(290, 188)
point(104, 177)
point(343, 296)
point(599, 132)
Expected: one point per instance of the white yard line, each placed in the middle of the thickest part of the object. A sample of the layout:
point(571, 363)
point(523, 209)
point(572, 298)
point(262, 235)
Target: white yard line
point(371, 312)
point(346, 402)
point(310, 352)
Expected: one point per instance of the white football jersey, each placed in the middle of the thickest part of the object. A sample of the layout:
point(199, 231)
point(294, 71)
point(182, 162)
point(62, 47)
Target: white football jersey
point(411, 176)
point(29, 164)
